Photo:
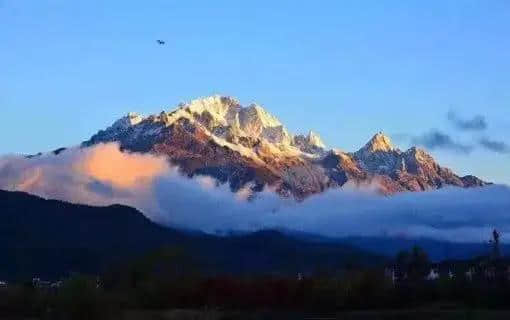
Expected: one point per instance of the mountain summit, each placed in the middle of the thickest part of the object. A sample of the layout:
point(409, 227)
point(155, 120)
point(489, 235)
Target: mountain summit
point(379, 142)
point(249, 147)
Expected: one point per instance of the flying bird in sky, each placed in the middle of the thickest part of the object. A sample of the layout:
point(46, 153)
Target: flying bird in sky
point(161, 42)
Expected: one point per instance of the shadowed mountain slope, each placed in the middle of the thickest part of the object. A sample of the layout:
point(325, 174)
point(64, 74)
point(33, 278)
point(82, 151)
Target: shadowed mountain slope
point(51, 238)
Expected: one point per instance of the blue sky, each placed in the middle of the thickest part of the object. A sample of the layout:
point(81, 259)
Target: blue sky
point(344, 68)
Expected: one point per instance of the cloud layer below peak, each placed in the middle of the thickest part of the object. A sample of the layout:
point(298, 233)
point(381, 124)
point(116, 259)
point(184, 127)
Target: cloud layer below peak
point(103, 175)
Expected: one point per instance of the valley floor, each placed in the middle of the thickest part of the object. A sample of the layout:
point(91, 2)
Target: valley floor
point(412, 314)
point(409, 314)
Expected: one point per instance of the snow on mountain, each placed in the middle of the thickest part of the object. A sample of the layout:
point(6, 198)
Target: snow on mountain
point(378, 143)
point(315, 140)
point(244, 146)
point(311, 143)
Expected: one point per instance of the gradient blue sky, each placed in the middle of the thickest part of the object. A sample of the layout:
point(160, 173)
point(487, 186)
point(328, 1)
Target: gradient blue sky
point(344, 68)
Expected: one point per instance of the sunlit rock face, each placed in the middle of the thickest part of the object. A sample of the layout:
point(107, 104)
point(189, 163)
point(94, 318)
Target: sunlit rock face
point(311, 143)
point(249, 147)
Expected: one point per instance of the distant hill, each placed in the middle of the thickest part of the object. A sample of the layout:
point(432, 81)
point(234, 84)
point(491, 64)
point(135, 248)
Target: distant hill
point(437, 250)
point(50, 238)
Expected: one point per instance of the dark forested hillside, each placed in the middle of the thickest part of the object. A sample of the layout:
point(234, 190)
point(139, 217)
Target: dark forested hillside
point(51, 238)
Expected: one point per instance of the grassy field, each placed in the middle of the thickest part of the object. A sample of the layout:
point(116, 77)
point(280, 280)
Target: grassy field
point(418, 314)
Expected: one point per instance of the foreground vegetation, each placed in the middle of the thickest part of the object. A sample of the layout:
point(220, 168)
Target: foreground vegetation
point(164, 285)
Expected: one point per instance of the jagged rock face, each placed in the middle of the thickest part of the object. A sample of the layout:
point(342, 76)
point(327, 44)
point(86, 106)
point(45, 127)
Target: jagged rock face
point(311, 143)
point(412, 170)
point(242, 146)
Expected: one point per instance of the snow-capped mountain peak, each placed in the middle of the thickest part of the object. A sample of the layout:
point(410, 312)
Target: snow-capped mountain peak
point(255, 113)
point(123, 124)
point(379, 142)
point(315, 140)
point(131, 119)
point(310, 143)
point(219, 137)
point(221, 109)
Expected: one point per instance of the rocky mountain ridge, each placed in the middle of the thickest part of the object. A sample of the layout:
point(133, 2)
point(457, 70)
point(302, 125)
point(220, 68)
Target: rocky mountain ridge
point(249, 147)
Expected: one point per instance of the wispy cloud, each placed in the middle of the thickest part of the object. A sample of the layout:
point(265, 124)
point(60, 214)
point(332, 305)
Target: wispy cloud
point(494, 145)
point(436, 139)
point(477, 123)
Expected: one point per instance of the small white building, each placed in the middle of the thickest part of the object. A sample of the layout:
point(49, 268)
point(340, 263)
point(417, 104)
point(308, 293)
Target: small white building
point(391, 274)
point(433, 275)
point(38, 283)
point(470, 274)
